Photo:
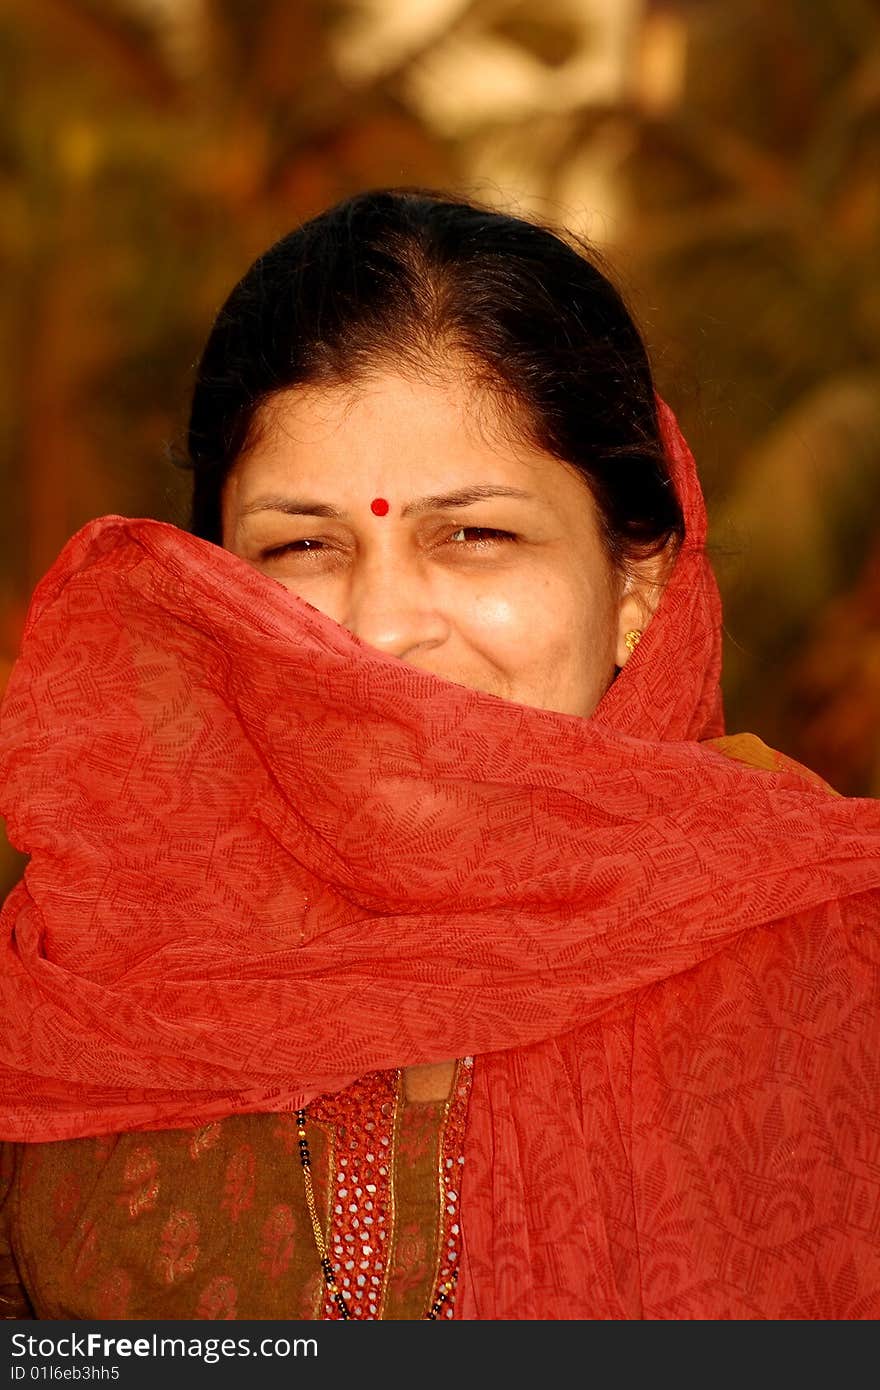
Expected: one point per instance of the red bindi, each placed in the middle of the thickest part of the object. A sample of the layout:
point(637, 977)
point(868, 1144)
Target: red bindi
point(378, 506)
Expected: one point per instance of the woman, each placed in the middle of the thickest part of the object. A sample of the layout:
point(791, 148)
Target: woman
point(401, 935)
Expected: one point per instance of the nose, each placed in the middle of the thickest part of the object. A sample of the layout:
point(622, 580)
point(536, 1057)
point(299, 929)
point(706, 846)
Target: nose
point(392, 606)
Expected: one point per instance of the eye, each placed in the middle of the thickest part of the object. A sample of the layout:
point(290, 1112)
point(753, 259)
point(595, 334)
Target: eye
point(310, 541)
point(494, 537)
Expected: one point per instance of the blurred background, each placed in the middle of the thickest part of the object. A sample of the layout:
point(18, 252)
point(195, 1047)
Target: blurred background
point(723, 154)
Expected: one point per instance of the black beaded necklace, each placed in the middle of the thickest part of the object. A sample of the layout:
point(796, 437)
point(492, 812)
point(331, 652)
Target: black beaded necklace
point(305, 1159)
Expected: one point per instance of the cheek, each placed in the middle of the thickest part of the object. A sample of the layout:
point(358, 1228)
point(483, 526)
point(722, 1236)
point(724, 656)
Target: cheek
point(496, 614)
point(550, 643)
point(511, 606)
point(541, 618)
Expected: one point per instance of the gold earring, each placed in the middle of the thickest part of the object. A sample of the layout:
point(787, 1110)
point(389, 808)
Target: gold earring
point(632, 639)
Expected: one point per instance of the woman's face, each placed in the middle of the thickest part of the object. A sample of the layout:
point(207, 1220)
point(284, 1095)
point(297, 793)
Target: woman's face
point(488, 568)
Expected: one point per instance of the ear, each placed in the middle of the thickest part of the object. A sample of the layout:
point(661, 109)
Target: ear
point(641, 590)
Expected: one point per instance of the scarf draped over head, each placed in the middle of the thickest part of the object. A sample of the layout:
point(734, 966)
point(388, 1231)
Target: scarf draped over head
point(266, 859)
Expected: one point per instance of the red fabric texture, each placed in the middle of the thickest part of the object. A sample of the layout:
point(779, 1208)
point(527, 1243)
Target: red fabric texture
point(267, 859)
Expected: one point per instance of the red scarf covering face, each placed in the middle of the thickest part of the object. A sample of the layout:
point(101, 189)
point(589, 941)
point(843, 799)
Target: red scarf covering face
point(267, 859)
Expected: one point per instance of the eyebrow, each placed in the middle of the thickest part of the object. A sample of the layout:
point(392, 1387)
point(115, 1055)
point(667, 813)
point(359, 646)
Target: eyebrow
point(463, 497)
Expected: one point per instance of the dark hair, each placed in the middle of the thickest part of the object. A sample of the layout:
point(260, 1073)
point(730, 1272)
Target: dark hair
point(411, 277)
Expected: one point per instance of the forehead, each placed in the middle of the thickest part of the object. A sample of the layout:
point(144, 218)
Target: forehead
point(394, 433)
point(385, 407)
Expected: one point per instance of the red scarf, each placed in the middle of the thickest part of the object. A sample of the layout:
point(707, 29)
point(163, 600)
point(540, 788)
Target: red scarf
point(267, 859)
